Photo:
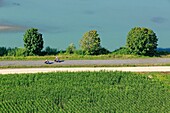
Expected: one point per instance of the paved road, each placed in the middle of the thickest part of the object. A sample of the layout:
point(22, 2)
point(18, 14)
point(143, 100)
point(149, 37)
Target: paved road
point(149, 61)
point(83, 69)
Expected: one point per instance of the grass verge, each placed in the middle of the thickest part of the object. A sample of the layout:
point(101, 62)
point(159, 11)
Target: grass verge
point(78, 57)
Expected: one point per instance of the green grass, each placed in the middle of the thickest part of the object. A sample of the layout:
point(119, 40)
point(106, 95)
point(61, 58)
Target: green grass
point(78, 57)
point(85, 92)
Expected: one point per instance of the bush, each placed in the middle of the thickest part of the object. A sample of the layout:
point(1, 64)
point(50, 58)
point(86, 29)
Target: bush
point(20, 52)
point(3, 51)
point(16, 52)
point(122, 51)
point(71, 49)
point(62, 51)
point(50, 51)
point(11, 51)
point(80, 52)
point(102, 51)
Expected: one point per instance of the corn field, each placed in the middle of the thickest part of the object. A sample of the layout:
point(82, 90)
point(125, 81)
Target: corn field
point(83, 92)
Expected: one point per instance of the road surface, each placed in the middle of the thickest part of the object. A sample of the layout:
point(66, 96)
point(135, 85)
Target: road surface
point(83, 69)
point(149, 61)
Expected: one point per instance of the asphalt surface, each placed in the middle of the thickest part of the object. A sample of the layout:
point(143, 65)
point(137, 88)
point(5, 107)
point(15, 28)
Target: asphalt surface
point(149, 61)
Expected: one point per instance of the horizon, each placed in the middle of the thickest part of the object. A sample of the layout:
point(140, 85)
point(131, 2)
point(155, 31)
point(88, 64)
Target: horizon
point(66, 21)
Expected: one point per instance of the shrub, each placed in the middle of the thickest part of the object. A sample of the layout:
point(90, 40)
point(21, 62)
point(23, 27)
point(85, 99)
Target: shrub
point(121, 50)
point(80, 52)
point(102, 50)
point(3, 51)
point(50, 51)
point(71, 49)
point(20, 52)
point(11, 51)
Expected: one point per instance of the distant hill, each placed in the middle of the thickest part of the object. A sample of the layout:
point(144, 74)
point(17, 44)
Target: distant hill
point(163, 49)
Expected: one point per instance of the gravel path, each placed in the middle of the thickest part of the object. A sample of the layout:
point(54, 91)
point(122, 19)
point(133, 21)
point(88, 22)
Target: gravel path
point(83, 69)
point(149, 61)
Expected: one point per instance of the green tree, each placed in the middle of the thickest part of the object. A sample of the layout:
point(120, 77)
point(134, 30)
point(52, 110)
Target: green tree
point(3, 51)
point(50, 51)
point(33, 42)
point(142, 41)
point(71, 49)
point(90, 42)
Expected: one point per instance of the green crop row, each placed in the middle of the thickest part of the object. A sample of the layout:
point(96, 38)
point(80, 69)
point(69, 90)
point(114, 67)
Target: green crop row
point(85, 92)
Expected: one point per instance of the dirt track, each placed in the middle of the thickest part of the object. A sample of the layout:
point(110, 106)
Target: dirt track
point(127, 69)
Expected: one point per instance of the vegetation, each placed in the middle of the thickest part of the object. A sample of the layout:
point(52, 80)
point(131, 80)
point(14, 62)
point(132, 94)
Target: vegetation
point(75, 56)
point(50, 51)
point(12, 51)
point(85, 92)
point(71, 49)
point(121, 51)
point(33, 42)
point(142, 41)
point(90, 43)
point(3, 51)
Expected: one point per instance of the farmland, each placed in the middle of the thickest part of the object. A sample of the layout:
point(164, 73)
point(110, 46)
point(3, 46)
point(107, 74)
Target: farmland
point(85, 92)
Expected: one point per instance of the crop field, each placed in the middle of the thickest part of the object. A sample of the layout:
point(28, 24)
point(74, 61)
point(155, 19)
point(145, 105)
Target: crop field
point(85, 92)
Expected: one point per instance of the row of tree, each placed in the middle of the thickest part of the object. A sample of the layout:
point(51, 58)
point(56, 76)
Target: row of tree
point(140, 41)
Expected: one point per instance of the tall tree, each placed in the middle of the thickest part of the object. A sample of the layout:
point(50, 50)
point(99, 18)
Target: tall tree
point(142, 41)
point(90, 42)
point(33, 42)
point(71, 49)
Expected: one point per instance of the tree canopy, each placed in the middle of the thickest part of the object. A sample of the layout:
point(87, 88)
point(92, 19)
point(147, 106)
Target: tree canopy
point(142, 41)
point(33, 42)
point(71, 49)
point(90, 42)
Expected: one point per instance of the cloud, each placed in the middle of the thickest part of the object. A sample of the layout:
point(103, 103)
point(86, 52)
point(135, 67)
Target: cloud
point(4, 3)
point(88, 12)
point(158, 20)
point(16, 4)
point(1, 3)
point(11, 28)
point(48, 28)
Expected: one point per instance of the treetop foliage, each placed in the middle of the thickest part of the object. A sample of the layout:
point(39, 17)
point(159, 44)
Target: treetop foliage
point(71, 49)
point(33, 42)
point(90, 42)
point(142, 41)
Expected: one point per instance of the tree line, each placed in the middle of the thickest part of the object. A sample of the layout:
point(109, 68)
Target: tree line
point(139, 41)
